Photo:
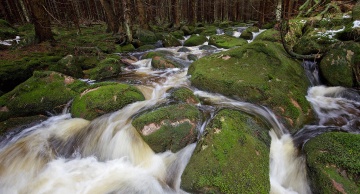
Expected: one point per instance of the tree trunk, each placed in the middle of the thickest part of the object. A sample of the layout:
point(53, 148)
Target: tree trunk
point(141, 17)
point(41, 21)
point(176, 13)
point(112, 22)
point(278, 10)
point(125, 4)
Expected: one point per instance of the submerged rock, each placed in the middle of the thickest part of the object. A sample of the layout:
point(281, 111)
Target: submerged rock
point(333, 160)
point(259, 72)
point(103, 98)
point(168, 128)
point(231, 157)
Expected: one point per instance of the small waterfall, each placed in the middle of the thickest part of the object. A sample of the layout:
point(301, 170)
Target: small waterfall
point(312, 72)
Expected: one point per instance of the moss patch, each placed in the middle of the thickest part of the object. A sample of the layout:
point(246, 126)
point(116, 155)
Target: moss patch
point(230, 158)
point(104, 98)
point(225, 41)
point(184, 95)
point(334, 162)
point(195, 40)
point(258, 72)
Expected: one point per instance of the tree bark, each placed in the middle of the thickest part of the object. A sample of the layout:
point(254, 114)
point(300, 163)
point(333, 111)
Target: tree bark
point(141, 17)
point(176, 13)
point(112, 22)
point(125, 4)
point(41, 21)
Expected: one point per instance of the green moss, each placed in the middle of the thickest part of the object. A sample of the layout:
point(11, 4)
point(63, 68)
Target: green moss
point(6, 30)
point(104, 98)
point(225, 41)
point(178, 34)
point(20, 123)
point(43, 92)
point(184, 95)
point(230, 158)
point(170, 113)
point(334, 158)
point(195, 40)
point(125, 48)
point(246, 34)
point(108, 67)
point(269, 35)
point(258, 72)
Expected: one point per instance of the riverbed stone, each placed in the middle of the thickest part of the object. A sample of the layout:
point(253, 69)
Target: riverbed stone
point(333, 161)
point(44, 92)
point(225, 41)
point(169, 40)
point(247, 35)
point(195, 40)
point(231, 157)
point(103, 98)
point(68, 65)
point(183, 95)
point(259, 72)
point(341, 65)
point(169, 127)
point(145, 36)
point(109, 67)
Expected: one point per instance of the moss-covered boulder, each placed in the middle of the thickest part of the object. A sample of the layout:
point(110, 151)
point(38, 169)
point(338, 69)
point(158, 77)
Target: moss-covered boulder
point(356, 11)
point(169, 40)
point(146, 36)
point(184, 95)
point(231, 157)
point(341, 65)
point(253, 29)
point(125, 48)
point(209, 30)
point(188, 30)
point(168, 128)
point(6, 30)
point(20, 123)
point(258, 72)
point(195, 40)
point(333, 160)
point(271, 35)
point(179, 34)
point(313, 42)
point(104, 98)
point(43, 92)
point(247, 35)
point(68, 66)
point(13, 72)
point(225, 41)
point(350, 33)
point(108, 67)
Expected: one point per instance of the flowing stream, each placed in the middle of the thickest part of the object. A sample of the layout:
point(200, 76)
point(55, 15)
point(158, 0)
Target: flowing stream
point(107, 155)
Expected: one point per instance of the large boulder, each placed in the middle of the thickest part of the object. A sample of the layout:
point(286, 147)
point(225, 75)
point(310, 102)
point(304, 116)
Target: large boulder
point(231, 157)
point(169, 40)
point(42, 93)
point(13, 72)
point(103, 98)
point(195, 40)
point(183, 95)
point(341, 65)
point(225, 41)
point(146, 36)
point(168, 128)
point(258, 72)
point(271, 35)
point(68, 66)
point(106, 68)
point(333, 160)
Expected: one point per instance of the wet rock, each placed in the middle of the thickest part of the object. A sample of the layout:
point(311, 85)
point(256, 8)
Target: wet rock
point(170, 41)
point(333, 160)
point(231, 157)
point(42, 93)
point(106, 97)
point(207, 47)
point(168, 128)
point(184, 50)
point(341, 65)
point(247, 35)
point(192, 57)
point(108, 67)
point(258, 72)
point(225, 41)
point(146, 36)
point(195, 40)
point(68, 66)
point(17, 124)
point(184, 95)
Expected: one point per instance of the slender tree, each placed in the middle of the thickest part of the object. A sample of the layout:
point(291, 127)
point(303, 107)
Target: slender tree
point(41, 20)
point(127, 19)
point(141, 17)
point(113, 24)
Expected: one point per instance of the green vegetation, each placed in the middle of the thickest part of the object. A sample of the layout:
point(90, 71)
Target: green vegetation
point(104, 98)
point(173, 127)
point(232, 157)
point(184, 95)
point(232, 73)
point(333, 160)
point(195, 40)
point(225, 41)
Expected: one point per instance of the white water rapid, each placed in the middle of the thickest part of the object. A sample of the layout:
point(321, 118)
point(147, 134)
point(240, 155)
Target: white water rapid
point(107, 155)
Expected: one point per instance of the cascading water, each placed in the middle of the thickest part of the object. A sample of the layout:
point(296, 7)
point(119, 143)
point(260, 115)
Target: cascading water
point(107, 155)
